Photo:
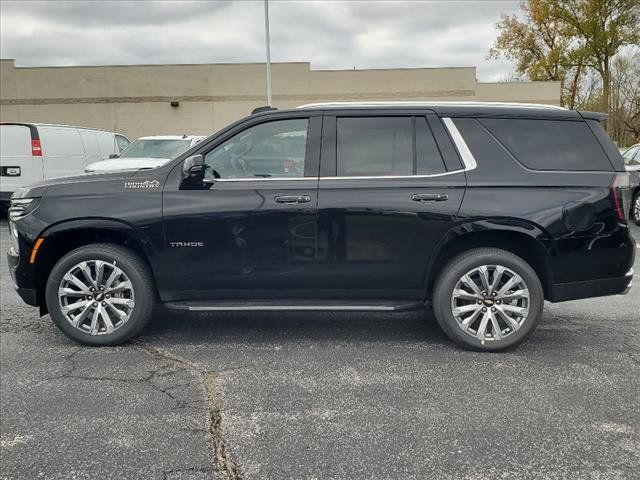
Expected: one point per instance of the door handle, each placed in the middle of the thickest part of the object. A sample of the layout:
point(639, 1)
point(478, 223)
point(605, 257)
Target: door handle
point(290, 199)
point(429, 197)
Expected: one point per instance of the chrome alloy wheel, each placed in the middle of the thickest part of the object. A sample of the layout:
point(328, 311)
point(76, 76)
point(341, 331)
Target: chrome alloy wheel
point(490, 302)
point(96, 297)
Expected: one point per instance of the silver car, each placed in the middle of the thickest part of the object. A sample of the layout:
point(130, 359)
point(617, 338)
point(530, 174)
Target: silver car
point(632, 164)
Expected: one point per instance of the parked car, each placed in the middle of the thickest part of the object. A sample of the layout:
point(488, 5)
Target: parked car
point(32, 152)
point(481, 211)
point(147, 152)
point(632, 164)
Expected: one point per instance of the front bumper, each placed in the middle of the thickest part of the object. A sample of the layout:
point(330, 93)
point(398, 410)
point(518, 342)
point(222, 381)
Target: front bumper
point(592, 288)
point(28, 295)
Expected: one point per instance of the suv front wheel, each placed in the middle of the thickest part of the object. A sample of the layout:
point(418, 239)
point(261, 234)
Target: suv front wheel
point(488, 299)
point(100, 294)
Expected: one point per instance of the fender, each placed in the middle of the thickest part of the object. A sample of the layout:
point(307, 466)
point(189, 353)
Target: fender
point(497, 225)
point(142, 240)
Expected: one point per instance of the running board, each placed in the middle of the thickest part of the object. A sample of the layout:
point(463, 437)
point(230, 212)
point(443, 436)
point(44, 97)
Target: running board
point(298, 305)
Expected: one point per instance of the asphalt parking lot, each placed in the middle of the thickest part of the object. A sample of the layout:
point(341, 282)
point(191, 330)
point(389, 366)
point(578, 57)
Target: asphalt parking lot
point(322, 396)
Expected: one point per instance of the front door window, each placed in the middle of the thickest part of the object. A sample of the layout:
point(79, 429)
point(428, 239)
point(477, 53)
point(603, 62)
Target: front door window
point(269, 150)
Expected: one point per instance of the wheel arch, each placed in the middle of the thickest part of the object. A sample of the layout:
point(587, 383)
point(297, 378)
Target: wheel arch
point(527, 246)
point(61, 238)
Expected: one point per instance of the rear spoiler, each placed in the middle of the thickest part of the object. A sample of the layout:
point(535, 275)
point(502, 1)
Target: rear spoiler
point(599, 116)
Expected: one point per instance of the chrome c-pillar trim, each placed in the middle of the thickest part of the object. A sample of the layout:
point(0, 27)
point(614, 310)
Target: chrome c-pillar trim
point(467, 157)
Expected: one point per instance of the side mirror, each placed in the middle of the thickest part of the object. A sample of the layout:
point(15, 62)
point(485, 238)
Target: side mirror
point(193, 168)
point(114, 155)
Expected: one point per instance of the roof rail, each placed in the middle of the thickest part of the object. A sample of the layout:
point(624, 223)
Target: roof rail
point(266, 108)
point(429, 104)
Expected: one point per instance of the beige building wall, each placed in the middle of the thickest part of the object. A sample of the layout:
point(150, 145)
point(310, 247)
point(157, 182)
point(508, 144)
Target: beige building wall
point(135, 100)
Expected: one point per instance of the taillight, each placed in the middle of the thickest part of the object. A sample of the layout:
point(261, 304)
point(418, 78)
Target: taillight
point(620, 191)
point(36, 149)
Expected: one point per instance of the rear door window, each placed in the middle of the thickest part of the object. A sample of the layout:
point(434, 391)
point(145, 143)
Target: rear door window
point(550, 144)
point(428, 157)
point(386, 146)
point(374, 146)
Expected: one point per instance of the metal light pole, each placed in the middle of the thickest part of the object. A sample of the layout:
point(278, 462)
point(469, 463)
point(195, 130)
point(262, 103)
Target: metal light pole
point(268, 42)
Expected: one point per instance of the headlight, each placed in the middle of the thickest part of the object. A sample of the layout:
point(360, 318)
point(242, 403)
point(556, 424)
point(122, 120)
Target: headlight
point(21, 207)
point(14, 236)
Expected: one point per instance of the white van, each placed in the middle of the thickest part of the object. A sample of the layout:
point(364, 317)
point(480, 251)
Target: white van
point(32, 152)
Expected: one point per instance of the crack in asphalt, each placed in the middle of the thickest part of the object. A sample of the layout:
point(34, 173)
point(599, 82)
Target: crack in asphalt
point(211, 385)
point(160, 372)
point(166, 474)
point(209, 381)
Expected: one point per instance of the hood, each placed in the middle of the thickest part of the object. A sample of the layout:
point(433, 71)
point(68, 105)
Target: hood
point(37, 189)
point(133, 163)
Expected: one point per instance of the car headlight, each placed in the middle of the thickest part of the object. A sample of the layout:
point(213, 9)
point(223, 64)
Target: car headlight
point(21, 207)
point(13, 234)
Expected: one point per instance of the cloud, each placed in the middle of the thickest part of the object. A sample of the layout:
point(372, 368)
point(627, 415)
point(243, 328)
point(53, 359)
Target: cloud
point(330, 35)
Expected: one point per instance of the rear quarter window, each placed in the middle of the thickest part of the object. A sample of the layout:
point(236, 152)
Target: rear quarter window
point(550, 144)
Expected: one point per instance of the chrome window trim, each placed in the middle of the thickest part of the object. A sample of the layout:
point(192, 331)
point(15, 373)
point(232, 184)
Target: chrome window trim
point(465, 154)
point(461, 146)
point(391, 177)
point(262, 179)
point(360, 177)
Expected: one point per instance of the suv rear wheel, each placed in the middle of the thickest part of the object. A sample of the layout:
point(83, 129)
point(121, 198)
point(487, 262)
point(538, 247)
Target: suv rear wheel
point(488, 299)
point(100, 294)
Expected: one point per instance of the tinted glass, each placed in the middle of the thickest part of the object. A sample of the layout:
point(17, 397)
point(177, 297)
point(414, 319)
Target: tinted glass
point(428, 157)
point(122, 142)
point(373, 146)
point(491, 155)
point(550, 144)
point(273, 149)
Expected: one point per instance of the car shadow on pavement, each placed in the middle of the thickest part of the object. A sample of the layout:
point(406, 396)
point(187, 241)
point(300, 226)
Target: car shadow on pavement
point(294, 327)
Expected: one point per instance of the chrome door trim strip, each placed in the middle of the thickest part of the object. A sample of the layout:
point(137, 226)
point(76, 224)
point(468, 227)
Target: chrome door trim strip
point(370, 177)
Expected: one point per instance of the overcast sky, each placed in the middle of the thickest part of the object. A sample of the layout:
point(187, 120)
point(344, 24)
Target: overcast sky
point(330, 35)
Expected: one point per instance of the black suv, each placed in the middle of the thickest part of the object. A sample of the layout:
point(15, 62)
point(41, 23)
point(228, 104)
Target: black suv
point(481, 211)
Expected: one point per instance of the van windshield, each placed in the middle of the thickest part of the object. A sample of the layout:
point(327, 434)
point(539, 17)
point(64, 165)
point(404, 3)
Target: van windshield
point(155, 148)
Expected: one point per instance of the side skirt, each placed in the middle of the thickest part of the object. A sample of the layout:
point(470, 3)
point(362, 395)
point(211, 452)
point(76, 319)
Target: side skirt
point(299, 305)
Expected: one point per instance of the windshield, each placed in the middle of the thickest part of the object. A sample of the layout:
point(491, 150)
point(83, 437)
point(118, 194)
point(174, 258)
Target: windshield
point(155, 148)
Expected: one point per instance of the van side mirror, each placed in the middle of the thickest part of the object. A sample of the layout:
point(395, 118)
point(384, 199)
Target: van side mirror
point(114, 155)
point(193, 168)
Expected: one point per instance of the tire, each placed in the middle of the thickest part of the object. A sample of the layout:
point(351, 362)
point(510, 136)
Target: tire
point(136, 302)
point(513, 328)
point(635, 209)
